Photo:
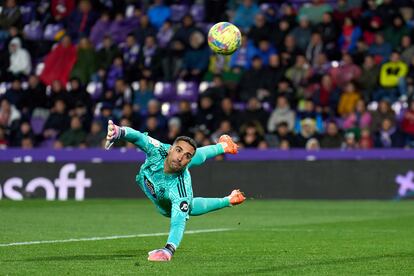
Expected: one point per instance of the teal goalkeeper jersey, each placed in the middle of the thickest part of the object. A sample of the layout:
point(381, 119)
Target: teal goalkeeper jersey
point(171, 193)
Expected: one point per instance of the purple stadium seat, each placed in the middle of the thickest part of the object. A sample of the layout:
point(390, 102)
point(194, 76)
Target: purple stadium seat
point(198, 12)
point(48, 143)
point(187, 91)
point(178, 12)
point(51, 30)
point(33, 31)
point(165, 91)
point(239, 106)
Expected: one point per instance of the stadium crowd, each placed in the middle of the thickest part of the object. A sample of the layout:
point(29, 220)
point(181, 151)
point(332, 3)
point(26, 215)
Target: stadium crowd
point(309, 74)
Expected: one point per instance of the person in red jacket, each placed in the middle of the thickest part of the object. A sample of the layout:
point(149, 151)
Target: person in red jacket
point(59, 62)
point(407, 123)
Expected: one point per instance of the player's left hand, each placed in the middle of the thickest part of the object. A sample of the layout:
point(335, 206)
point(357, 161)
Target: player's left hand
point(159, 255)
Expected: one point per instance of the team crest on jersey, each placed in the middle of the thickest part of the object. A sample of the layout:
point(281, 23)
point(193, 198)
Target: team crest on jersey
point(153, 141)
point(184, 206)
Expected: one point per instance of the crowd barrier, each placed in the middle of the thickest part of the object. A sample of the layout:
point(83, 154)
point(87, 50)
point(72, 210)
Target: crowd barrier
point(261, 174)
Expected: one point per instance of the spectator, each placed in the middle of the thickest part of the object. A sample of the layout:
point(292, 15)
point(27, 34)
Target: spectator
point(395, 32)
point(9, 16)
point(282, 113)
point(133, 117)
point(407, 49)
point(242, 59)
point(281, 134)
point(265, 50)
point(348, 100)
point(332, 139)
point(144, 29)
point(86, 62)
point(106, 53)
point(375, 26)
point(278, 36)
point(350, 35)
point(252, 80)
point(174, 129)
point(115, 72)
point(187, 28)
point(57, 122)
point(96, 137)
point(260, 30)
point(327, 95)
point(307, 132)
point(172, 60)
point(74, 136)
point(186, 117)
point(195, 62)
point(9, 114)
point(380, 49)
point(24, 132)
point(100, 30)
point(149, 59)
point(79, 95)
point(302, 33)
point(312, 144)
point(142, 96)
point(315, 11)
point(274, 72)
point(368, 81)
point(59, 62)
point(123, 95)
point(81, 20)
point(359, 118)
point(314, 49)
point(158, 13)
point(154, 129)
point(165, 34)
point(245, 15)
point(350, 141)
point(329, 33)
point(366, 141)
point(407, 123)
point(15, 94)
point(206, 113)
point(346, 71)
point(35, 95)
point(154, 109)
point(227, 112)
point(58, 92)
point(383, 112)
point(20, 63)
point(131, 51)
point(60, 9)
point(389, 136)
point(299, 73)
point(255, 113)
point(289, 51)
point(392, 79)
point(217, 91)
point(252, 135)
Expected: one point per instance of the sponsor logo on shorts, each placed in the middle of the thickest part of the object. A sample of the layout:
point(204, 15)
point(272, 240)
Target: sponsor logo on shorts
point(184, 206)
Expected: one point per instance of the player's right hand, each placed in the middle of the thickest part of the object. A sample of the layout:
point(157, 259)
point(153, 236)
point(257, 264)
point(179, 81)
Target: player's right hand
point(228, 144)
point(113, 133)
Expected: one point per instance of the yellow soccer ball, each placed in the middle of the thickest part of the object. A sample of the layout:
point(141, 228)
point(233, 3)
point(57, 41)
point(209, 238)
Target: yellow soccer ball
point(224, 38)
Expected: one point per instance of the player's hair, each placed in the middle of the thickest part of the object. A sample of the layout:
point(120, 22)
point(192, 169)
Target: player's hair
point(187, 139)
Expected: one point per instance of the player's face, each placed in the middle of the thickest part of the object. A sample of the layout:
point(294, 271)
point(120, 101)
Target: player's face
point(179, 156)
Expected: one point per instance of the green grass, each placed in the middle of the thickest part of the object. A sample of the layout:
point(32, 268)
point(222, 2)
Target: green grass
point(269, 237)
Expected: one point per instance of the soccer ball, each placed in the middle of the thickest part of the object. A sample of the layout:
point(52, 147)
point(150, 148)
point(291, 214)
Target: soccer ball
point(224, 38)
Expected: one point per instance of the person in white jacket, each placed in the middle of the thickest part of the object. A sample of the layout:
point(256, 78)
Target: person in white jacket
point(282, 113)
point(20, 62)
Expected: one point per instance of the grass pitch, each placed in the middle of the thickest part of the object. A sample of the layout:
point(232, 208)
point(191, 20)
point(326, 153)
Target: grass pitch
point(267, 237)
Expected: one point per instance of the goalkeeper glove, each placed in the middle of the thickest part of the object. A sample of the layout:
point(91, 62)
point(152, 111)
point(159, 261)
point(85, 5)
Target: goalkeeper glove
point(162, 255)
point(228, 144)
point(114, 132)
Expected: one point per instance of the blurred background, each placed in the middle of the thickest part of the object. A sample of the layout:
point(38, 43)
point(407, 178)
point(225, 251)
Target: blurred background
point(309, 75)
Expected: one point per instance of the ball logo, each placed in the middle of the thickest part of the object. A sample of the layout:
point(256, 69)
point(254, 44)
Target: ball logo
point(184, 206)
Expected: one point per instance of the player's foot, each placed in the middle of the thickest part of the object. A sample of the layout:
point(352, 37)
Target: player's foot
point(236, 197)
point(159, 255)
point(228, 144)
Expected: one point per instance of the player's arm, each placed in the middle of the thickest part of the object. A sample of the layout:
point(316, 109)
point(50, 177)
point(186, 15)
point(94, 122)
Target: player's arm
point(128, 134)
point(224, 145)
point(179, 214)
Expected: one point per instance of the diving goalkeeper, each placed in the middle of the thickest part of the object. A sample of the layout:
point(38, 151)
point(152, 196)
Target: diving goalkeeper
point(166, 180)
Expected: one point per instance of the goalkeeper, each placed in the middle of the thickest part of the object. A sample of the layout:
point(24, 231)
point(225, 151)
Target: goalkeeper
point(166, 180)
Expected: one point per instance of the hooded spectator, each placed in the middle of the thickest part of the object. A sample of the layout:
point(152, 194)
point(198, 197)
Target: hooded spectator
point(20, 62)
